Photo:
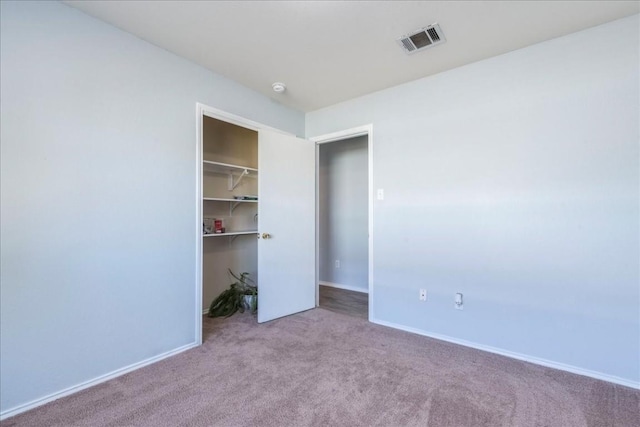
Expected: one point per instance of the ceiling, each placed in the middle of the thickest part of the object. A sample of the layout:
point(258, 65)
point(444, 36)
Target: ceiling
point(330, 51)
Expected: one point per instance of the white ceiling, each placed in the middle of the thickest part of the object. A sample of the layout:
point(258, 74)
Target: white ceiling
point(330, 51)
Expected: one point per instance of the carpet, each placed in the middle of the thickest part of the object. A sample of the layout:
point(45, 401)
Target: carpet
point(320, 368)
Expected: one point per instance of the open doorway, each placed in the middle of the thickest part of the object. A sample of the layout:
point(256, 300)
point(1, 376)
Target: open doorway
point(344, 222)
point(228, 192)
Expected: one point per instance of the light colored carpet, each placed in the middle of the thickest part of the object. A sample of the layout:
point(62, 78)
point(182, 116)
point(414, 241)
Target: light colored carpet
point(320, 368)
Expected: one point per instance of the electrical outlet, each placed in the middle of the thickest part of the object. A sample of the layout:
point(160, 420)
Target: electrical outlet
point(380, 194)
point(337, 263)
point(423, 294)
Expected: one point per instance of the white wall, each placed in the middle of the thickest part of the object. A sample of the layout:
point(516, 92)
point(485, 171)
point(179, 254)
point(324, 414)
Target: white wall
point(514, 181)
point(343, 213)
point(98, 196)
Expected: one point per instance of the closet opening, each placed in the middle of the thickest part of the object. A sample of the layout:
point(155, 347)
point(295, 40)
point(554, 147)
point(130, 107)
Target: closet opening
point(229, 207)
point(343, 224)
point(261, 224)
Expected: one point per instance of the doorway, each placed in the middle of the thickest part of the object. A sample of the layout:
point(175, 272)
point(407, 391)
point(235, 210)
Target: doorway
point(231, 182)
point(344, 222)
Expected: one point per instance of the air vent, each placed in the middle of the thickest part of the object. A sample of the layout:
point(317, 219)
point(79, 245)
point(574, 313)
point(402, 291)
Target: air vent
point(422, 38)
point(406, 43)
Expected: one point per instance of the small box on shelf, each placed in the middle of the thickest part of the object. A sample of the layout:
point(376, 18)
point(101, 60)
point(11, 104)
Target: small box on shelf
point(212, 226)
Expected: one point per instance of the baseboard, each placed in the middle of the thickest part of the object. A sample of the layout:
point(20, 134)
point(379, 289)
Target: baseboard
point(345, 287)
point(205, 311)
point(514, 355)
point(98, 380)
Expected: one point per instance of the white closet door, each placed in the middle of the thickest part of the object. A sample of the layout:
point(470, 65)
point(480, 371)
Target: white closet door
point(286, 225)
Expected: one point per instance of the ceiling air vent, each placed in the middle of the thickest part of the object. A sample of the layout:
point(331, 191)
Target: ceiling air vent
point(422, 38)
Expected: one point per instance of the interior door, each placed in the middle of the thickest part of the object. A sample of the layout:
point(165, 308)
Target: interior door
point(286, 225)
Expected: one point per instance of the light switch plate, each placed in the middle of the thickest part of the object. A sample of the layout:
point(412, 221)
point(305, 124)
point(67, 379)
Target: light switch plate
point(380, 194)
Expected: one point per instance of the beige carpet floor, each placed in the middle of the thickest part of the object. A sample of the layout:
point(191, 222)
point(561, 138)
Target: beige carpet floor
point(320, 368)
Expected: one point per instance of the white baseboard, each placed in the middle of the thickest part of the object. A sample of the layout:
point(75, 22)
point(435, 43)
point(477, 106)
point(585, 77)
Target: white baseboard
point(76, 388)
point(346, 287)
point(513, 355)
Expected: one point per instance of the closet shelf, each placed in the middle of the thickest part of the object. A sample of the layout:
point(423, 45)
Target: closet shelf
point(231, 233)
point(226, 168)
point(217, 199)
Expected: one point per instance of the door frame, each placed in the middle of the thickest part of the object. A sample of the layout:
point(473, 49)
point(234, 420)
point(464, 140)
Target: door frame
point(337, 137)
point(215, 113)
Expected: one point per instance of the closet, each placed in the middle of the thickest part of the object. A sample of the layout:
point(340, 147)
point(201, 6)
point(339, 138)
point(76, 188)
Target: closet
point(261, 223)
point(229, 205)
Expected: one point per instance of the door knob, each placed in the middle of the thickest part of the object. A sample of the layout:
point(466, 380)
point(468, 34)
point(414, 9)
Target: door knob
point(266, 235)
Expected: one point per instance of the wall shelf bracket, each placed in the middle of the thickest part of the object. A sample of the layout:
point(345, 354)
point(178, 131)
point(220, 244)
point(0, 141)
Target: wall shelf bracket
point(232, 184)
point(232, 207)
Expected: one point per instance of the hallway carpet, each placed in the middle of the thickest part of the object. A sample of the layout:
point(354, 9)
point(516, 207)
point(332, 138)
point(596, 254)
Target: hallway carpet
point(320, 368)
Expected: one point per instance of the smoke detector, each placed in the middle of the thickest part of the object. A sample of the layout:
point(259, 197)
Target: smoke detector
point(422, 39)
point(279, 87)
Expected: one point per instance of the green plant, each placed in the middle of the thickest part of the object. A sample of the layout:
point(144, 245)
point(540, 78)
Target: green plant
point(233, 299)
